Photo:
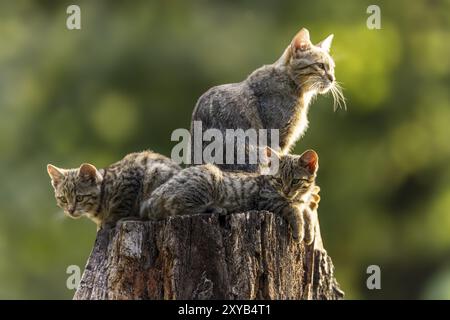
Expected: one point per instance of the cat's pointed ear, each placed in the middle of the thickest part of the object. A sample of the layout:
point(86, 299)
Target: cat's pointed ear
point(88, 172)
point(326, 43)
point(301, 41)
point(310, 160)
point(285, 57)
point(56, 174)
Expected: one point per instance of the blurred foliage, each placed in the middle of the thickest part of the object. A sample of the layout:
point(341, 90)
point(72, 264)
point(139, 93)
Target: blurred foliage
point(132, 75)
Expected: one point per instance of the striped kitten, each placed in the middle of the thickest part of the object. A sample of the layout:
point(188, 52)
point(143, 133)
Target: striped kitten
point(290, 192)
point(107, 195)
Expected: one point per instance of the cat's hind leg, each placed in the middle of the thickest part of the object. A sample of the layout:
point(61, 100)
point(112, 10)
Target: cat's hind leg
point(208, 208)
point(154, 208)
point(164, 204)
point(213, 209)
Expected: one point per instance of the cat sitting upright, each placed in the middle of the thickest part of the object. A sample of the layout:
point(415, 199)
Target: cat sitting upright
point(275, 96)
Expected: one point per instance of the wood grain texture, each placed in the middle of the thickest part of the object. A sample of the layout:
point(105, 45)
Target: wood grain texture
point(248, 255)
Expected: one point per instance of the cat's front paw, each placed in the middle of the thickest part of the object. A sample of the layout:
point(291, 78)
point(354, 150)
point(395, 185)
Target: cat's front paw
point(297, 233)
point(294, 217)
point(315, 198)
point(309, 226)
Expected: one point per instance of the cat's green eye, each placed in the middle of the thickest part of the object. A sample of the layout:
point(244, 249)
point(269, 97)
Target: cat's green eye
point(79, 198)
point(297, 181)
point(62, 199)
point(278, 180)
point(321, 66)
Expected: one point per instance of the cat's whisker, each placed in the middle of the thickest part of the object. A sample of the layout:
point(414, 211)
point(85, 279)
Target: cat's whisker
point(342, 97)
point(312, 82)
point(333, 94)
point(338, 97)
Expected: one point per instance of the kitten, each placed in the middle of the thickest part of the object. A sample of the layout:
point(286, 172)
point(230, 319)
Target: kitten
point(275, 96)
point(107, 195)
point(207, 189)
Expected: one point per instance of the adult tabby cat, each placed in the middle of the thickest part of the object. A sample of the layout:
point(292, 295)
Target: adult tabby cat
point(109, 194)
point(275, 96)
point(207, 189)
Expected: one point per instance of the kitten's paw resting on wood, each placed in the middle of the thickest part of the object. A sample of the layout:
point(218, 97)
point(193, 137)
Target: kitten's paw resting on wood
point(301, 221)
point(310, 224)
point(293, 215)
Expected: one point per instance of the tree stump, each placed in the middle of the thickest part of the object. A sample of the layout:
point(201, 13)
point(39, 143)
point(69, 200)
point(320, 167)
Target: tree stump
point(249, 255)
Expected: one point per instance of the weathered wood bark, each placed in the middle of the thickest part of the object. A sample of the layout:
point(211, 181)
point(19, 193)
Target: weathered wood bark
point(241, 256)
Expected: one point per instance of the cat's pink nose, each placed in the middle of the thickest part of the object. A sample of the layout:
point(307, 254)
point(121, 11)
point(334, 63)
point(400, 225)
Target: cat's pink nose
point(71, 210)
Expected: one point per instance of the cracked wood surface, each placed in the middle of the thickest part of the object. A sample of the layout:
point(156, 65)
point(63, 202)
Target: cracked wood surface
point(240, 256)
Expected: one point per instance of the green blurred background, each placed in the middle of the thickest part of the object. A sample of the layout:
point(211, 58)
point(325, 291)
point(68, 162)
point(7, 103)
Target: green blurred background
point(132, 75)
